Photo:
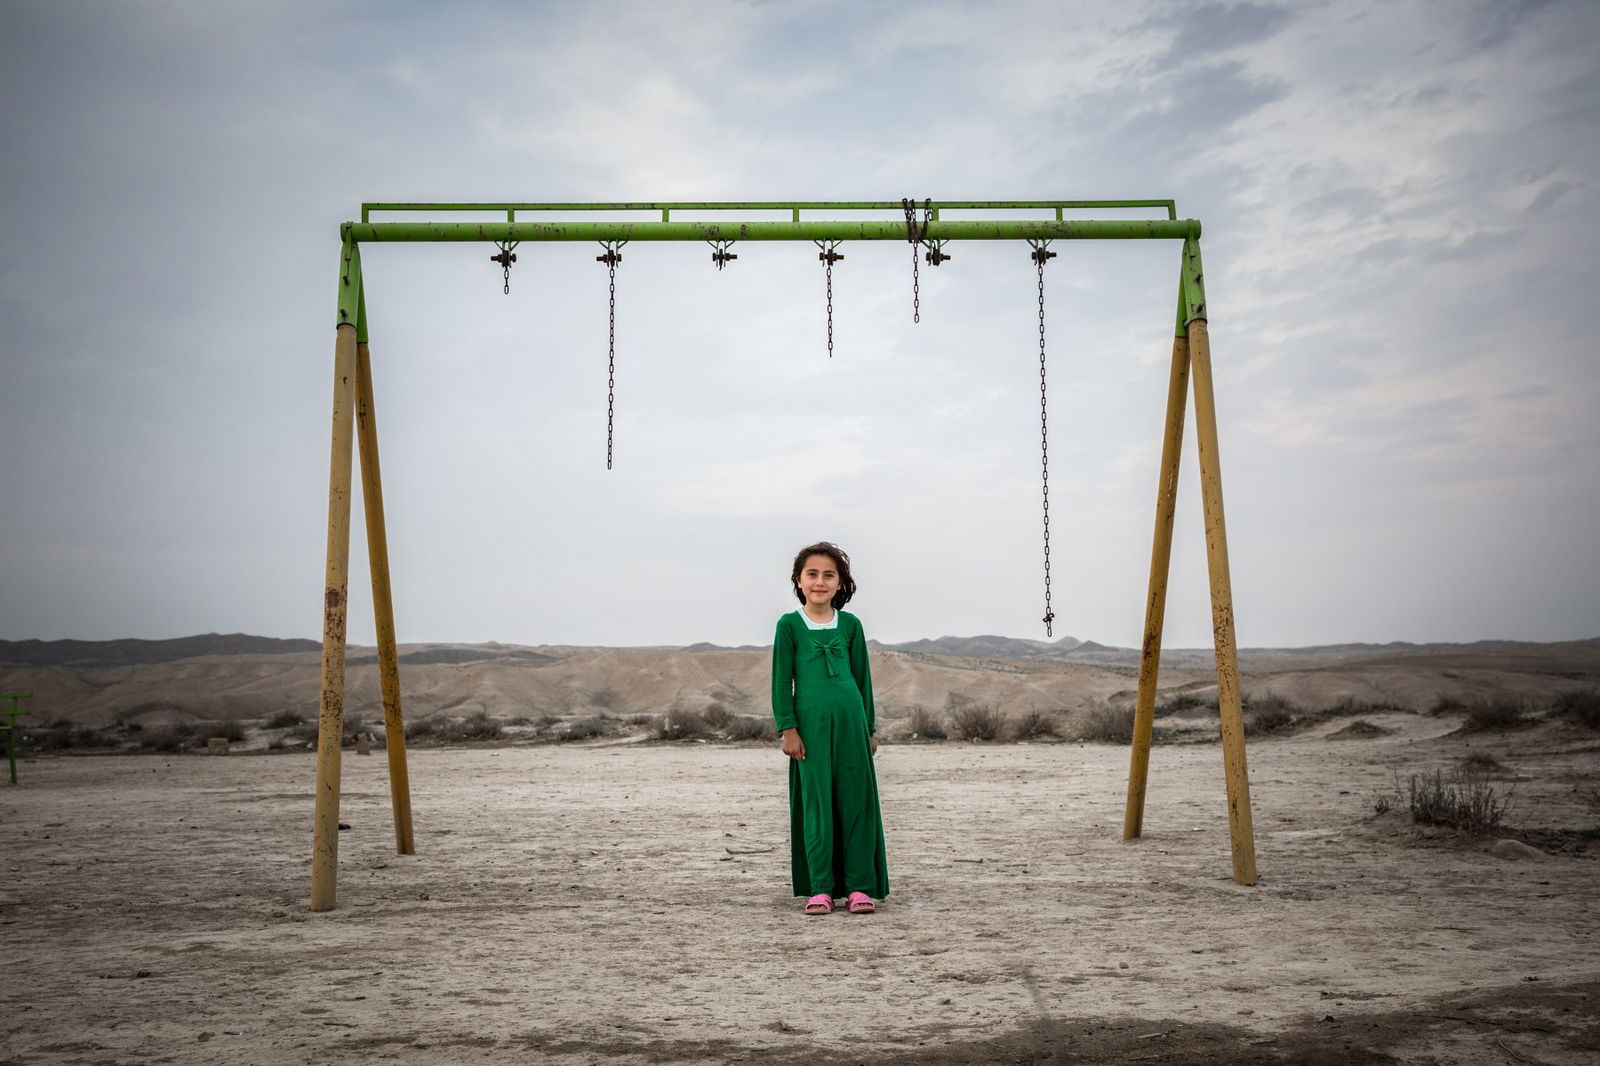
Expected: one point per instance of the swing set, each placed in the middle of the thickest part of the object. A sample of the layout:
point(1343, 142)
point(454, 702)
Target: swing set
point(722, 225)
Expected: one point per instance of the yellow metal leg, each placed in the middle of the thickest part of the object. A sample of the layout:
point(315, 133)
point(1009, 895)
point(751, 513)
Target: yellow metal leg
point(330, 718)
point(1240, 826)
point(1156, 601)
point(394, 728)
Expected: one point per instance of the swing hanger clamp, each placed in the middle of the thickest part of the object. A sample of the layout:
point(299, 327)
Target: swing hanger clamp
point(936, 253)
point(505, 259)
point(613, 253)
point(720, 254)
point(1041, 252)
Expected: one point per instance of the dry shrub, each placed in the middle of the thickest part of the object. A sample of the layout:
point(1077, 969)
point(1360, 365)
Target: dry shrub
point(1491, 715)
point(283, 720)
point(749, 727)
point(1581, 706)
point(1446, 704)
point(1030, 725)
point(443, 730)
point(583, 729)
point(924, 726)
point(1270, 715)
point(1349, 705)
point(176, 737)
point(1183, 702)
point(63, 735)
point(230, 731)
point(1464, 800)
point(681, 725)
point(977, 721)
point(717, 715)
point(1107, 725)
point(1481, 762)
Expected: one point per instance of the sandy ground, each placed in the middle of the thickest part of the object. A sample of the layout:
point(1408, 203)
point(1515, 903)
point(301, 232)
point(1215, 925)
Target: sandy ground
point(631, 903)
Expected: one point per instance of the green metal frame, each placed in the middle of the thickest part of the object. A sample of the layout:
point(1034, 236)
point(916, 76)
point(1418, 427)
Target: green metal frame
point(825, 223)
point(9, 727)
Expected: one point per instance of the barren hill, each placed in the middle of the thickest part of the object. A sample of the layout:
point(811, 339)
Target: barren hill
point(240, 677)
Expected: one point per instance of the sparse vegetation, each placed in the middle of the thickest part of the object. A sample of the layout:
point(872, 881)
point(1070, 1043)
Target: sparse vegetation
point(1496, 714)
point(167, 738)
point(229, 731)
point(1269, 714)
point(749, 727)
point(584, 729)
point(1446, 704)
point(1032, 725)
point(1382, 802)
point(1581, 706)
point(442, 730)
point(1349, 705)
point(977, 721)
point(679, 724)
point(1481, 762)
point(1107, 725)
point(717, 715)
point(1182, 702)
point(63, 735)
point(1464, 800)
point(283, 720)
point(923, 725)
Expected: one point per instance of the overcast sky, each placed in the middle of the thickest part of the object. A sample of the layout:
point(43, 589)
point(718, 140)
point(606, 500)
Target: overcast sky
point(1399, 201)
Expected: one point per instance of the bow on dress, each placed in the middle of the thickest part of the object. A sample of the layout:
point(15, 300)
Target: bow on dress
point(829, 651)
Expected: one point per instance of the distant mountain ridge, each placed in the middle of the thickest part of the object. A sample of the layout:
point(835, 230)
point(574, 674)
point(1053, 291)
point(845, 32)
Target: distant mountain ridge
point(132, 652)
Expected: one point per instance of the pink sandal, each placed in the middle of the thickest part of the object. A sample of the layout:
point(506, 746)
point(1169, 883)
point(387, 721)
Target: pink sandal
point(822, 903)
point(861, 903)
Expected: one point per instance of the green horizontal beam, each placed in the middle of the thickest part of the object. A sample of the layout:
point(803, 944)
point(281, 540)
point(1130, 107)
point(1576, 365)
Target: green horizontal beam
point(833, 230)
point(794, 207)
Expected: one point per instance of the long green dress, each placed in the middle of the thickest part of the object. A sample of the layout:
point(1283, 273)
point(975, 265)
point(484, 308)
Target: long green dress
point(821, 685)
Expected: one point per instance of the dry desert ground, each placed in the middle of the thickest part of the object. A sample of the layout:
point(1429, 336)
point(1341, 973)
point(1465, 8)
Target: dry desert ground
point(629, 902)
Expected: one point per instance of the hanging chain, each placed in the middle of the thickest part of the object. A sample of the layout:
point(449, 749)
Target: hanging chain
point(505, 259)
point(916, 235)
point(830, 257)
point(611, 258)
point(1042, 255)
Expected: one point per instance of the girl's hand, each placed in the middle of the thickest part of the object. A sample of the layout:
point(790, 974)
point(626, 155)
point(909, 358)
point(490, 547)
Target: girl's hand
point(873, 740)
point(792, 745)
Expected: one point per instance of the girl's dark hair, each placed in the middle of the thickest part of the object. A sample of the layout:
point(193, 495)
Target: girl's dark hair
point(847, 584)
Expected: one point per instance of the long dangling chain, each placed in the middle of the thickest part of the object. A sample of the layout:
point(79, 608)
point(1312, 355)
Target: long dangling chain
point(916, 236)
point(1041, 256)
point(611, 258)
point(829, 256)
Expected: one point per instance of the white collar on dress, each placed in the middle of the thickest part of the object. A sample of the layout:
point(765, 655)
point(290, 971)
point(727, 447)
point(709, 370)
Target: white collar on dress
point(832, 623)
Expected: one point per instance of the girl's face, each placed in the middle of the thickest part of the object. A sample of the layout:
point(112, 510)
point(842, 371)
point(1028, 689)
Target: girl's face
point(819, 580)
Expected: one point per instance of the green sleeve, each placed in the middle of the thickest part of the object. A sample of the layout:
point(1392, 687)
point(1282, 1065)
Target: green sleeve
point(783, 677)
point(862, 673)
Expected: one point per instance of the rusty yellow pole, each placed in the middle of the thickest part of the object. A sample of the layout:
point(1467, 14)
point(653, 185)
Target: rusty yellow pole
point(394, 729)
point(1241, 829)
point(1155, 607)
point(330, 717)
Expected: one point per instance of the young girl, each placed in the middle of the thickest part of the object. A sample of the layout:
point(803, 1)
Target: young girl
point(822, 703)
